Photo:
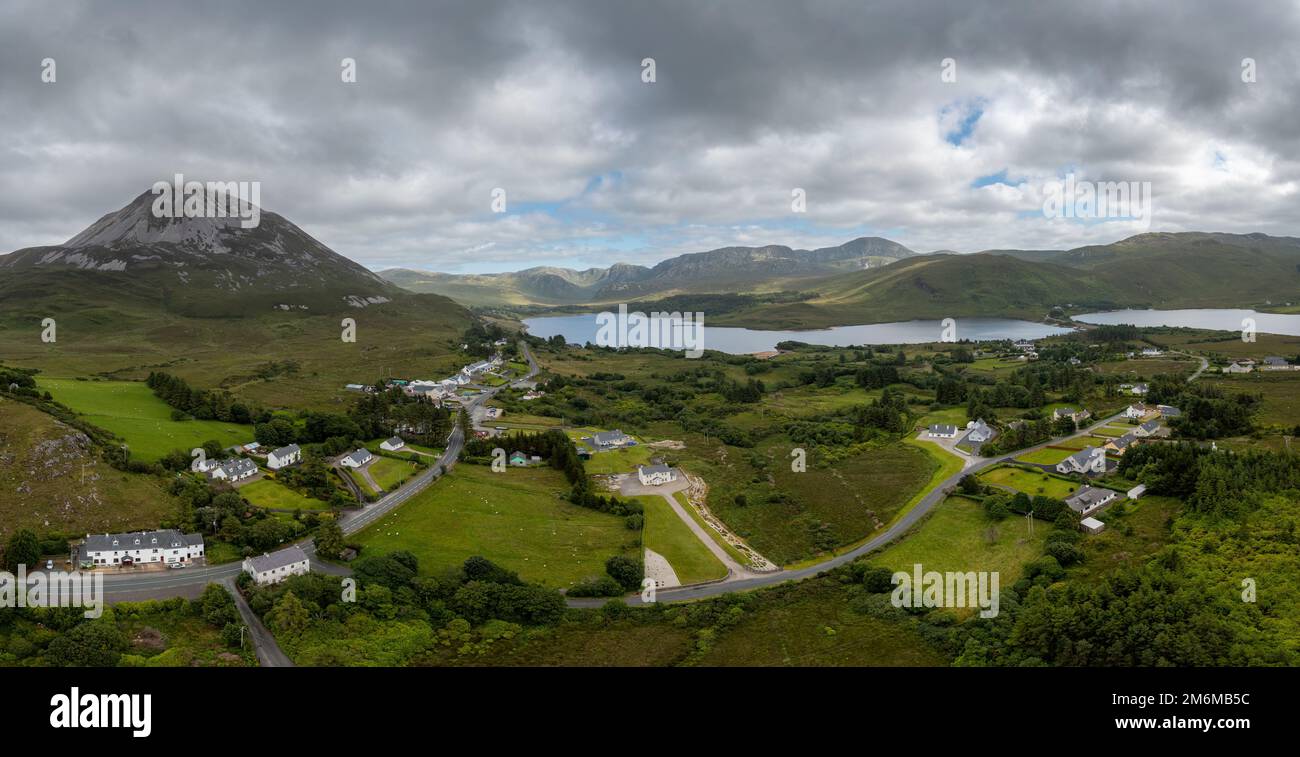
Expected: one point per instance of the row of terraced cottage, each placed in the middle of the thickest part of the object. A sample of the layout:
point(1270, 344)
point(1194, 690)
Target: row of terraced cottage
point(174, 549)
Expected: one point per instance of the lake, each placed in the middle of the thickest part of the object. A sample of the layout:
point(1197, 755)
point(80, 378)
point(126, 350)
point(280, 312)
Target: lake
point(1221, 319)
point(581, 329)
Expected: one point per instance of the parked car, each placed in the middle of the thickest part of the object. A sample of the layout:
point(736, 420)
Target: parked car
point(49, 565)
point(176, 565)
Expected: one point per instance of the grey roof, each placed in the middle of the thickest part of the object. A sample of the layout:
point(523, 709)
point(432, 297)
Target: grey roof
point(943, 428)
point(1275, 360)
point(1084, 456)
point(651, 469)
point(167, 538)
point(1169, 410)
point(395, 441)
point(286, 556)
point(360, 456)
point(1150, 426)
point(237, 466)
point(286, 451)
point(605, 437)
point(1087, 498)
point(1124, 441)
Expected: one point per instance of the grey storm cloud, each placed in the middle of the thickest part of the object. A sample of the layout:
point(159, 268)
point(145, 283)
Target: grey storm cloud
point(751, 99)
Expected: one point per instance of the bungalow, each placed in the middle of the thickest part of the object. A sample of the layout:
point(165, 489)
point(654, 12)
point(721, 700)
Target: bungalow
point(1147, 429)
point(357, 458)
point(1151, 352)
point(277, 566)
point(611, 439)
point(393, 444)
point(1089, 500)
point(284, 456)
point(1092, 525)
point(1136, 389)
point(1275, 363)
point(166, 546)
point(1169, 411)
point(655, 475)
point(1088, 459)
point(1121, 444)
point(942, 430)
point(1025, 346)
point(237, 469)
point(978, 432)
point(518, 459)
point(1137, 412)
point(1238, 368)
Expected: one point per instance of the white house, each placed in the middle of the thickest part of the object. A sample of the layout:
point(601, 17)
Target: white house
point(1088, 459)
point(1275, 363)
point(166, 546)
point(655, 475)
point(978, 432)
point(357, 458)
point(1078, 416)
point(1089, 500)
point(942, 431)
point(1151, 352)
point(237, 469)
point(392, 445)
point(610, 439)
point(277, 566)
point(283, 456)
point(1137, 412)
point(1238, 368)
point(1136, 389)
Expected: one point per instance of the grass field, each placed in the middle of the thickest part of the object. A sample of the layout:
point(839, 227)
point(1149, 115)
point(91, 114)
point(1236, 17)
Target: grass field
point(517, 519)
point(1281, 392)
point(1112, 432)
point(1046, 456)
point(623, 460)
point(958, 536)
point(72, 490)
point(130, 410)
point(1029, 482)
point(390, 473)
point(811, 624)
point(666, 534)
point(271, 494)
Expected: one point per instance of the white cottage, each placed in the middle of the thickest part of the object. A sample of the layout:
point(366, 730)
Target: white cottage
point(277, 566)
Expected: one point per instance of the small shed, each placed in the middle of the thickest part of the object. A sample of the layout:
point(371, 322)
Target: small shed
point(1092, 525)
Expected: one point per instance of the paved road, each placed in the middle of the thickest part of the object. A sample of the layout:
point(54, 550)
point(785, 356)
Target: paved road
point(269, 654)
point(897, 530)
point(189, 582)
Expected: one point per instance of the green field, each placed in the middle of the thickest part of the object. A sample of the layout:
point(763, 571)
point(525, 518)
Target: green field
point(130, 410)
point(1281, 392)
point(517, 519)
point(958, 536)
point(74, 491)
point(623, 460)
point(1030, 482)
point(390, 473)
point(1046, 456)
point(666, 534)
point(270, 494)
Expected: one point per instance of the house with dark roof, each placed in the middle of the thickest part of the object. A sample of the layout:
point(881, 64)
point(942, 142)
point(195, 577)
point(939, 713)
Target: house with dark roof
point(357, 459)
point(942, 431)
point(283, 456)
point(1089, 500)
point(1275, 363)
point(236, 469)
point(1121, 444)
point(1147, 429)
point(610, 439)
point(277, 566)
point(655, 475)
point(1169, 411)
point(165, 546)
point(393, 444)
point(1086, 460)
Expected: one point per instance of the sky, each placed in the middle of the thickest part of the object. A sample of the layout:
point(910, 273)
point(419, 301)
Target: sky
point(938, 125)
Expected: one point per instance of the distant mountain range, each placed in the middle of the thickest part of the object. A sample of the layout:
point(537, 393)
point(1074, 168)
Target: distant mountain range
point(729, 269)
point(874, 280)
